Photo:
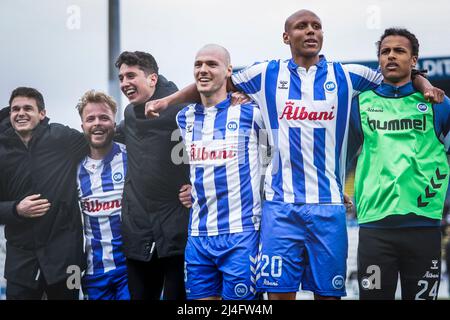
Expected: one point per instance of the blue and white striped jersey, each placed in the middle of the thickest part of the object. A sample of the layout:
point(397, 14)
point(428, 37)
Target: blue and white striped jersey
point(222, 146)
point(100, 187)
point(306, 114)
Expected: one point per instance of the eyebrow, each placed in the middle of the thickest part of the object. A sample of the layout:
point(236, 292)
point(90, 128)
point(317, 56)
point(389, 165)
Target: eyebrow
point(126, 73)
point(393, 47)
point(206, 61)
point(24, 106)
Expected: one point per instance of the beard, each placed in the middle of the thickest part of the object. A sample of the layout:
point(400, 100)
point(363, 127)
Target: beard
point(101, 144)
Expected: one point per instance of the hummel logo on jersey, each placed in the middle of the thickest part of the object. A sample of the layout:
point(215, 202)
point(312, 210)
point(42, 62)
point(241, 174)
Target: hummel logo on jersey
point(398, 124)
point(435, 264)
point(291, 112)
point(189, 128)
point(283, 84)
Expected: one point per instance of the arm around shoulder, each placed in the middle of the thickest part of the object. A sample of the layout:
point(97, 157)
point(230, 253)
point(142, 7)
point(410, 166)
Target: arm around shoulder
point(431, 93)
point(185, 95)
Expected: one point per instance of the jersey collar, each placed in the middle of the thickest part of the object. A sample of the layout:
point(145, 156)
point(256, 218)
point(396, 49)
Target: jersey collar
point(389, 90)
point(221, 105)
point(114, 150)
point(322, 63)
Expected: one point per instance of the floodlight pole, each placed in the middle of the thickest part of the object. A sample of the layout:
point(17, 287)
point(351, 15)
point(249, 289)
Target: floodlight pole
point(113, 52)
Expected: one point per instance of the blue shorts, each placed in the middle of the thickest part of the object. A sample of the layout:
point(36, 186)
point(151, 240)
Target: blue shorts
point(112, 285)
point(305, 244)
point(221, 266)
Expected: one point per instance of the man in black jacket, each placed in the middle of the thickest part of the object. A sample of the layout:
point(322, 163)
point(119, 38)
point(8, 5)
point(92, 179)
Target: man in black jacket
point(38, 200)
point(154, 220)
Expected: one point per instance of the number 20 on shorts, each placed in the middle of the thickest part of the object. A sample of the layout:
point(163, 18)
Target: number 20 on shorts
point(276, 264)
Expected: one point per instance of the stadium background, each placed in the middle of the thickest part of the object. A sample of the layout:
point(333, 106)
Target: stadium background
point(63, 48)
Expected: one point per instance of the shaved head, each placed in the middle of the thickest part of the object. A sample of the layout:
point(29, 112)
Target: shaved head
point(212, 69)
point(293, 17)
point(215, 48)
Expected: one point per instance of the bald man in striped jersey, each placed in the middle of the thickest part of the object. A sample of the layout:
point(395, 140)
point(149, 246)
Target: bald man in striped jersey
point(222, 143)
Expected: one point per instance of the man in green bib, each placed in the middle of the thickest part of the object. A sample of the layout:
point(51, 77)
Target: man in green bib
point(401, 177)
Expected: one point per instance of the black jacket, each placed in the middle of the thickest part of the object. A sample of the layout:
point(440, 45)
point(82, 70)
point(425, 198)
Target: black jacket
point(4, 119)
point(48, 166)
point(152, 215)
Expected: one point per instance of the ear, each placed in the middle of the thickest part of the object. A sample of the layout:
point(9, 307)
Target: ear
point(229, 70)
point(286, 38)
point(414, 61)
point(152, 80)
point(82, 128)
point(42, 114)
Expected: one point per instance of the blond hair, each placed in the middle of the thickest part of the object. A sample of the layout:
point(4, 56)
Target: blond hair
point(93, 96)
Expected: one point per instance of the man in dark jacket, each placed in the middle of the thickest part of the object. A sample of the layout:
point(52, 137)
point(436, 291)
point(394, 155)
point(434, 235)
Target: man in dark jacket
point(38, 200)
point(154, 220)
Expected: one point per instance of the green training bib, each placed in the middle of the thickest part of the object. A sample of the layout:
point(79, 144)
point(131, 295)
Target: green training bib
point(403, 166)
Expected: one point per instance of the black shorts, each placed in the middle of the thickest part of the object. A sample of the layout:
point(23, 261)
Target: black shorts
point(413, 254)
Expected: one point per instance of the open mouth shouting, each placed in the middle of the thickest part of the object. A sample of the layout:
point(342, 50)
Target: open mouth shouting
point(98, 132)
point(100, 137)
point(130, 92)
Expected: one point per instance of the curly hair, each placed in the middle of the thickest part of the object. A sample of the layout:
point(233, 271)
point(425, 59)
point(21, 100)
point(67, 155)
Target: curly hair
point(403, 33)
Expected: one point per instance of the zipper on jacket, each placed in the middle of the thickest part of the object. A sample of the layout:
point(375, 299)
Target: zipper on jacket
point(153, 247)
point(37, 275)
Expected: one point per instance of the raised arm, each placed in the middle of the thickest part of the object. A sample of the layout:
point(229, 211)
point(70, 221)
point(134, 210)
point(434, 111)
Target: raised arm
point(185, 95)
point(188, 94)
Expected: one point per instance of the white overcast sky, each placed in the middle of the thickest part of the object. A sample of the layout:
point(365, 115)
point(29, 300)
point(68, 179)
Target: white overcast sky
point(60, 46)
